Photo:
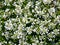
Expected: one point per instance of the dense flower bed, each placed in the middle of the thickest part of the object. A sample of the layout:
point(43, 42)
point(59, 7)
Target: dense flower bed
point(29, 22)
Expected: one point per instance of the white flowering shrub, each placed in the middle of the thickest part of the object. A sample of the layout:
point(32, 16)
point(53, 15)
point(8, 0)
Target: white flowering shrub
point(29, 22)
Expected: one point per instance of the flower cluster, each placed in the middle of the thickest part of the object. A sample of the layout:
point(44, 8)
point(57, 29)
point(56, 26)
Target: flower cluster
point(30, 22)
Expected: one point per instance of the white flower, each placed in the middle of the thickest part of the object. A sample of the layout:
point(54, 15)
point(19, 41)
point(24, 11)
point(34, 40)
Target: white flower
point(47, 1)
point(56, 31)
point(43, 30)
point(21, 0)
point(51, 10)
point(50, 39)
point(41, 42)
point(34, 30)
point(2, 34)
point(4, 16)
point(44, 1)
point(34, 44)
point(28, 5)
point(51, 26)
point(29, 30)
point(8, 25)
point(4, 3)
point(55, 2)
point(37, 3)
point(18, 9)
point(58, 19)
point(7, 10)
point(10, 0)
point(33, 10)
point(20, 27)
point(0, 43)
point(24, 19)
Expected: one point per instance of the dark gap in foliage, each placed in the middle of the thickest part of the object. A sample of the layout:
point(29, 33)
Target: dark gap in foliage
point(16, 41)
point(28, 24)
point(29, 39)
point(13, 2)
point(30, 8)
point(57, 38)
point(24, 4)
point(11, 32)
point(4, 19)
point(10, 7)
point(57, 11)
point(2, 38)
point(49, 42)
point(3, 28)
point(1, 0)
point(50, 30)
point(33, 33)
point(28, 19)
point(22, 14)
point(13, 15)
point(42, 5)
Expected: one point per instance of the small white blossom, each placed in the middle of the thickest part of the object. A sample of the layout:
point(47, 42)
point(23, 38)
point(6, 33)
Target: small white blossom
point(47, 1)
point(8, 25)
point(34, 44)
point(51, 10)
point(7, 10)
point(28, 5)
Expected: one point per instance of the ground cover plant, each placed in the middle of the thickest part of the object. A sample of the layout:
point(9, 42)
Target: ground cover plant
point(29, 22)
